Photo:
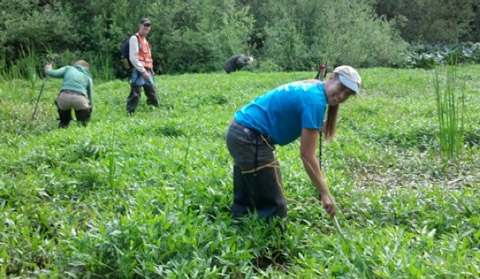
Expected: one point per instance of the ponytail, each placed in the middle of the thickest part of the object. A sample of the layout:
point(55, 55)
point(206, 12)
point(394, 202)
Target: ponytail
point(332, 113)
point(331, 128)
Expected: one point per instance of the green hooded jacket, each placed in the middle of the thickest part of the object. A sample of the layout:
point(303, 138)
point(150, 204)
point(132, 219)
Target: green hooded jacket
point(76, 78)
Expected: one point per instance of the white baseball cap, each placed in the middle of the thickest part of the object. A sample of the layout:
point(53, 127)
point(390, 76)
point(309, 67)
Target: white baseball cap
point(349, 77)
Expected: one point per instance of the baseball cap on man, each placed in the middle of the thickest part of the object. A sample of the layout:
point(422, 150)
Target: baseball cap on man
point(144, 21)
point(349, 77)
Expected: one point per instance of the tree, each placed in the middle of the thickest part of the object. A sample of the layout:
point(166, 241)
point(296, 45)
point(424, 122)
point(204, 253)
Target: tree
point(432, 20)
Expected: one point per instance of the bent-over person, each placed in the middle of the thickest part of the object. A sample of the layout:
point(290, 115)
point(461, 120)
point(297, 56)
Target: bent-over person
point(76, 92)
point(237, 62)
point(279, 117)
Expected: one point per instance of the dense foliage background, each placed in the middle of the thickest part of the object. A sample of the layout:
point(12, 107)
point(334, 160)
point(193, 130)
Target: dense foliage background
point(199, 35)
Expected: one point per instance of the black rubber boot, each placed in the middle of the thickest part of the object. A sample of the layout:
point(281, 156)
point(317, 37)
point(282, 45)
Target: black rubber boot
point(65, 118)
point(83, 116)
point(133, 98)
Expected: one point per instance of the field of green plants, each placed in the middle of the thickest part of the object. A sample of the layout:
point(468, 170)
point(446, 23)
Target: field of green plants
point(147, 196)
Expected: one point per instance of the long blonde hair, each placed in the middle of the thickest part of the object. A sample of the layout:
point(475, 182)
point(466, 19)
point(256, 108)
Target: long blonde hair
point(332, 113)
point(331, 127)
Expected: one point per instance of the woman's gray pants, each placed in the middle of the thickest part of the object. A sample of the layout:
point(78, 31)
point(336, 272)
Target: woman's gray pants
point(257, 183)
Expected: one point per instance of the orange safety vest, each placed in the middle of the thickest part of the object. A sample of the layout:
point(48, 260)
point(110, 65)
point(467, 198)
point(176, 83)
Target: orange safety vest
point(144, 54)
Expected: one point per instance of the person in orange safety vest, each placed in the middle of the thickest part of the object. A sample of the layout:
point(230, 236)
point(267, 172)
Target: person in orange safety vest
point(142, 72)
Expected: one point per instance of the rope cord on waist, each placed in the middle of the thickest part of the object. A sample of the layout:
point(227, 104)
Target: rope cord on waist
point(256, 155)
point(272, 164)
point(266, 141)
point(268, 165)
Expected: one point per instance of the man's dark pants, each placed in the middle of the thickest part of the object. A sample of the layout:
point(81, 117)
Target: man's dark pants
point(138, 81)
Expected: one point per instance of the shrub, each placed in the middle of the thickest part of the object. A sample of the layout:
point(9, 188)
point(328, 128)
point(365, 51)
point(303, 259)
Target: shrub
point(199, 36)
point(429, 55)
point(352, 34)
point(299, 36)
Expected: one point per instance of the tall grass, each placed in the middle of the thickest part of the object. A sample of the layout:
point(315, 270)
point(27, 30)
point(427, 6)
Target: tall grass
point(3, 66)
point(30, 64)
point(185, 172)
point(450, 101)
point(27, 66)
point(112, 166)
point(101, 65)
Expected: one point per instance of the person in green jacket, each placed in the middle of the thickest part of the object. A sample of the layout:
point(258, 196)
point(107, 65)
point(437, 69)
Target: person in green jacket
point(76, 92)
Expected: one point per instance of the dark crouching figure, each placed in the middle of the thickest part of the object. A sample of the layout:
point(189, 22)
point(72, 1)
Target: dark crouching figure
point(76, 92)
point(237, 62)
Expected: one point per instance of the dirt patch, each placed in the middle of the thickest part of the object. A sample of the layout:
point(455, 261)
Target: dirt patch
point(277, 260)
point(372, 176)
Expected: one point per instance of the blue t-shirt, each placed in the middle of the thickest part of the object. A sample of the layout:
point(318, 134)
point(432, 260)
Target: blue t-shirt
point(282, 112)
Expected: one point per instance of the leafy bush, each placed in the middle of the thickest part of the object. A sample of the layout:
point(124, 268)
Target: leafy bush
point(430, 21)
point(352, 34)
point(285, 42)
point(198, 36)
point(429, 55)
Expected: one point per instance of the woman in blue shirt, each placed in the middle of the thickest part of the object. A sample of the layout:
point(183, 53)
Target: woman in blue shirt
point(280, 116)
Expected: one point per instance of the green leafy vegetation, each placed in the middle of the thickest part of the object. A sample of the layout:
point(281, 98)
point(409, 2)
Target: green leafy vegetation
point(147, 196)
point(429, 55)
point(431, 21)
point(199, 36)
point(450, 100)
point(193, 36)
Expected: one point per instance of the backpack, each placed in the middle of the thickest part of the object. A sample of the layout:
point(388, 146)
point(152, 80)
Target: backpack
point(125, 58)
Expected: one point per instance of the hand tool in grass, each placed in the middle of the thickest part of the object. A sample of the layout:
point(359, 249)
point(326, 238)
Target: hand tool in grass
point(38, 99)
point(322, 72)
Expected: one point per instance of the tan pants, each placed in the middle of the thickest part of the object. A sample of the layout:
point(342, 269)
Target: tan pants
point(68, 100)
